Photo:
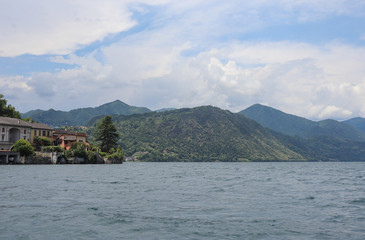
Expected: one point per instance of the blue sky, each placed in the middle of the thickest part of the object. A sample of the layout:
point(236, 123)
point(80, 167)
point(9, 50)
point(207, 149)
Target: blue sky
point(303, 57)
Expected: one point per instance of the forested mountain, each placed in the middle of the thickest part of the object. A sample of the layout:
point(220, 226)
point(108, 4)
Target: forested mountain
point(297, 126)
point(207, 133)
point(211, 134)
point(81, 116)
point(199, 134)
point(358, 123)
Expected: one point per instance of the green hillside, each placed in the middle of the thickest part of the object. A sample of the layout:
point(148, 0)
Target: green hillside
point(358, 123)
point(199, 134)
point(297, 126)
point(81, 116)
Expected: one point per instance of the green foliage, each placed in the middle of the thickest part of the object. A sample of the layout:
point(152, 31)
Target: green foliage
point(198, 134)
point(23, 147)
point(211, 134)
point(28, 119)
point(325, 148)
point(41, 142)
point(77, 150)
point(116, 156)
point(91, 157)
point(106, 134)
point(53, 149)
point(7, 110)
point(81, 116)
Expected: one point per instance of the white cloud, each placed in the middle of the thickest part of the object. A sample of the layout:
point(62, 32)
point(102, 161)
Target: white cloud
point(60, 27)
point(331, 111)
point(186, 57)
point(309, 81)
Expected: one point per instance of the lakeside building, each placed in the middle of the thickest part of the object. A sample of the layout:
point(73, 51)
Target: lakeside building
point(13, 129)
point(64, 138)
point(40, 130)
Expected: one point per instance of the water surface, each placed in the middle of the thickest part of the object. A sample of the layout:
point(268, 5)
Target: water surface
point(183, 201)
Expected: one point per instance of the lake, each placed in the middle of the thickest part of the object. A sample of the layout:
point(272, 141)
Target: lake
point(183, 201)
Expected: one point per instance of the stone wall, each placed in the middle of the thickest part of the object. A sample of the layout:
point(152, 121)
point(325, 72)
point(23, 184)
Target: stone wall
point(58, 158)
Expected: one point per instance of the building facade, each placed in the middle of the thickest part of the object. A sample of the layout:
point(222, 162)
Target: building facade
point(40, 130)
point(11, 130)
point(65, 139)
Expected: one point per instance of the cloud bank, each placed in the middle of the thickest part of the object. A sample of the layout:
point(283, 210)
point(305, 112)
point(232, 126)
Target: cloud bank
point(187, 54)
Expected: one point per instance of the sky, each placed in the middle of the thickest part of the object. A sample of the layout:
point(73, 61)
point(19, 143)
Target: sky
point(304, 57)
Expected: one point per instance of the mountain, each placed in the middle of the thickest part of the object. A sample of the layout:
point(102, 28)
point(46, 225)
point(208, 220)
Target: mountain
point(81, 116)
point(297, 126)
point(358, 123)
point(211, 134)
point(198, 134)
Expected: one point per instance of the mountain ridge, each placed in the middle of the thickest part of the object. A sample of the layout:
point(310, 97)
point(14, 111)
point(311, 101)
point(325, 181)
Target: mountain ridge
point(203, 133)
point(211, 134)
point(357, 122)
point(298, 126)
point(81, 116)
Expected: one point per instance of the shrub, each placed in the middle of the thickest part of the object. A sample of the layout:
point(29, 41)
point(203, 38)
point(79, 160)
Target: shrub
point(116, 154)
point(91, 156)
point(53, 149)
point(23, 147)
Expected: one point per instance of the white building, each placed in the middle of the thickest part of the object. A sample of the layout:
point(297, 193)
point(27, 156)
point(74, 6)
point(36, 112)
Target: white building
point(11, 130)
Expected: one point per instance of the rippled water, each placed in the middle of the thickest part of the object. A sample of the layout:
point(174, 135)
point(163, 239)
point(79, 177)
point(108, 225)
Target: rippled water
point(183, 201)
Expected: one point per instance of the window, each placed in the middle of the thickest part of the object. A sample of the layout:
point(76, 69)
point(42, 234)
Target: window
point(25, 131)
point(25, 138)
point(44, 133)
point(39, 133)
point(3, 130)
point(47, 133)
point(3, 138)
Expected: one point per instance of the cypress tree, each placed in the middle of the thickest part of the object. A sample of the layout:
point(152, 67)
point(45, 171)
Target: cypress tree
point(106, 133)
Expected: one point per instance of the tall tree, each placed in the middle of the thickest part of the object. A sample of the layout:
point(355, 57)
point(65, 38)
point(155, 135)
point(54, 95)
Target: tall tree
point(106, 133)
point(7, 110)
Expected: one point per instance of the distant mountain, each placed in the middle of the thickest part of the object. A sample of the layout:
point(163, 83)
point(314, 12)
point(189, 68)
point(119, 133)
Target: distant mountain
point(297, 126)
point(81, 116)
point(358, 123)
point(198, 134)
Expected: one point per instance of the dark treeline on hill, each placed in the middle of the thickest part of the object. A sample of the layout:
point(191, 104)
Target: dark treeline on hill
point(211, 134)
point(81, 116)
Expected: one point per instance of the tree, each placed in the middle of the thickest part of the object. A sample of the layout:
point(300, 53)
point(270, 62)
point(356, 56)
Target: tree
point(7, 110)
point(41, 142)
point(106, 133)
point(23, 147)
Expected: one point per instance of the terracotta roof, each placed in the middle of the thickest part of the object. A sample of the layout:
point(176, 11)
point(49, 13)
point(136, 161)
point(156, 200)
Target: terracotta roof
point(14, 122)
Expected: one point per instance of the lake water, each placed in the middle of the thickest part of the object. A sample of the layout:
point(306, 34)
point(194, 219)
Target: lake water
point(183, 201)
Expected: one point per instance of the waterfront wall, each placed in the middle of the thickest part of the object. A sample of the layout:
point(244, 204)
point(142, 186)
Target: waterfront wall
point(57, 158)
